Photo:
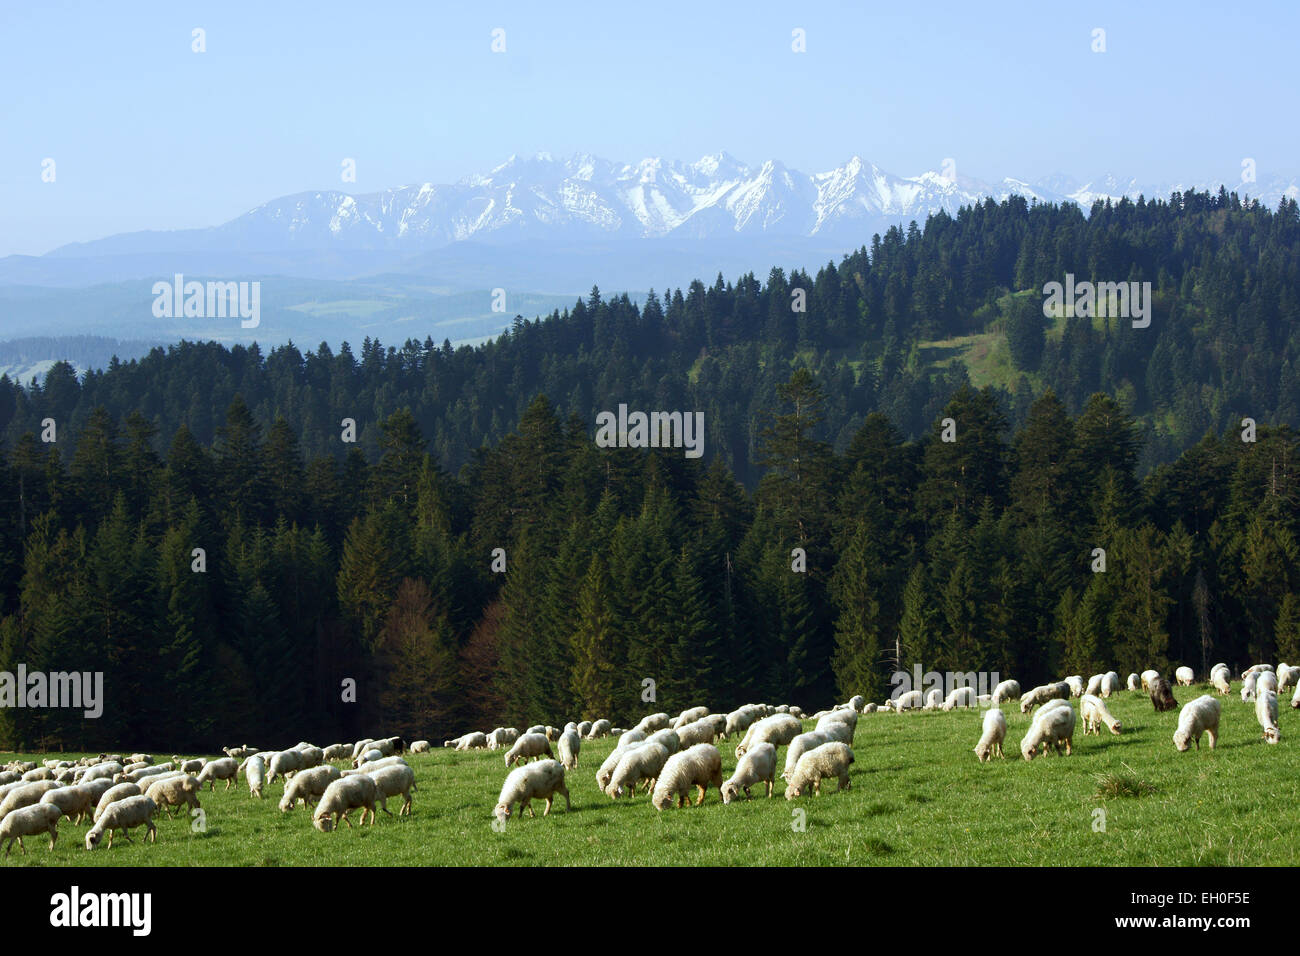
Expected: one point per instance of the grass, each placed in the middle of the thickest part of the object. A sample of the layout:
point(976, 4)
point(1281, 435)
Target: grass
point(919, 798)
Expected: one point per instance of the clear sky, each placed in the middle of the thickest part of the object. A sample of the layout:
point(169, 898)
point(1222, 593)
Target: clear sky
point(146, 134)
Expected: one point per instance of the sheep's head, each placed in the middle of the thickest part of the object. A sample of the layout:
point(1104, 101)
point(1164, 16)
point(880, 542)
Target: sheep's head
point(982, 751)
point(1182, 739)
point(323, 822)
point(502, 812)
point(729, 792)
point(1028, 750)
point(93, 837)
point(1272, 735)
point(1116, 728)
point(792, 791)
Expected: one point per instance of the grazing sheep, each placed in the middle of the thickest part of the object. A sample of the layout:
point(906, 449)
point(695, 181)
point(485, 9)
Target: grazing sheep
point(25, 794)
point(371, 766)
point(1265, 713)
point(960, 697)
point(1184, 676)
point(30, 821)
point(1094, 685)
point(340, 798)
point(779, 729)
point(1053, 727)
point(40, 773)
point(239, 753)
point(529, 782)
point(1007, 690)
point(188, 766)
point(857, 702)
point(80, 801)
point(1200, 716)
point(666, 738)
point(308, 786)
point(335, 752)
point(1222, 682)
point(1147, 677)
point(475, 741)
point(119, 791)
point(140, 758)
point(933, 699)
point(390, 782)
point(1287, 676)
point(282, 764)
point(1266, 681)
point(223, 768)
point(689, 716)
point(606, 771)
point(255, 774)
point(1248, 686)
point(367, 757)
point(1110, 684)
point(311, 756)
point(631, 736)
point(757, 766)
point(1093, 711)
point(828, 760)
point(1039, 695)
point(584, 729)
point(652, 722)
point(1162, 695)
point(173, 792)
point(1255, 669)
point(995, 731)
point(124, 815)
point(909, 700)
point(699, 732)
point(570, 744)
point(599, 728)
point(529, 746)
point(738, 720)
point(104, 771)
point(640, 763)
point(697, 767)
point(1134, 682)
point(800, 746)
point(1075, 682)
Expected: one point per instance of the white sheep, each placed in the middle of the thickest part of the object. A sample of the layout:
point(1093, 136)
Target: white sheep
point(1184, 676)
point(119, 791)
point(908, 700)
point(1266, 681)
point(24, 794)
point(371, 766)
point(283, 764)
point(689, 716)
point(606, 771)
point(188, 766)
point(994, 733)
point(1094, 713)
point(529, 746)
point(1256, 669)
point(828, 760)
point(1265, 713)
point(340, 798)
point(834, 730)
point(666, 738)
point(1110, 684)
point(223, 768)
point(255, 774)
point(652, 722)
point(1052, 728)
point(697, 767)
point(599, 728)
point(960, 697)
point(1007, 690)
point(1039, 695)
point(140, 758)
point(367, 757)
point(80, 801)
point(570, 744)
point(1287, 676)
point(640, 763)
point(800, 745)
point(698, 732)
point(390, 782)
point(124, 815)
point(473, 741)
point(757, 766)
point(857, 702)
point(1248, 686)
point(30, 821)
point(1075, 682)
point(1222, 681)
point(308, 786)
point(1147, 677)
point(933, 699)
point(1134, 682)
point(738, 720)
point(173, 792)
point(529, 782)
point(779, 729)
point(1200, 716)
point(1094, 685)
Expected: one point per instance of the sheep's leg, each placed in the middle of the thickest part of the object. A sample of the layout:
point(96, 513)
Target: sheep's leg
point(1069, 744)
point(528, 805)
point(10, 846)
point(344, 818)
point(700, 787)
point(1214, 738)
point(20, 846)
point(54, 835)
point(547, 811)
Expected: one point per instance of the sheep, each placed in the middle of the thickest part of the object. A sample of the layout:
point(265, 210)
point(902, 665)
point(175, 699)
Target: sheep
point(40, 773)
point(334, 752)
point(933, 699)
point(909, 700)
point(606, 771)
point(362, 745)
point(757, 766)
point(527, 746)
point(174, 791)
point(140, 758)
point(255, 774)
point(1295, 700)
point(239, 753)
point(857, 702)
point(689, 716)
point(98, 787)
point(125, 815)
point(104, 771)
point(699, 732)
point(1075, 682)
point(631, 736)
point(367, 757)
point(528, 782)
point(848, 718)
point(1094, 685)
point(1162, 695)
point(870, 707)
point(282, 764)
point(308, 786)
point(1053, 727)
point(80, 801)
point(584, 729)
point(738, 720)
point(599, 728)
point(828, 760)
point(1255, 669)
point(119, 791)
point(9, 776)
point(1093, 711)
point(475, 741)
point(1221, 681)
point(1265, 713)
point(24, 794)
point(340, 798)
point(553, 733)
point(420, 747)
point(30, 821)
point(1184, 676)
point(800, 745)
point(1200, 716)
point(1287, 676)
point(994, 732)
point(652, 722)
point(718, 722)
point(390, 782)
point(1248, 686)
point(1266, 681)
point(959, 697)
point(697, 767)
point(311, 756)
point(371, 766)
point(1007, 690)
point(569, 746)
point(640, 763)
point(223, 768)
point(666, 738)
point(779, 729)
point(1039, 695)
point(1134, 683)
point(188, 766)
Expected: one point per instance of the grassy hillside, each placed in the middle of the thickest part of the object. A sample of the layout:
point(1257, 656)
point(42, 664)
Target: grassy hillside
point(918, 798)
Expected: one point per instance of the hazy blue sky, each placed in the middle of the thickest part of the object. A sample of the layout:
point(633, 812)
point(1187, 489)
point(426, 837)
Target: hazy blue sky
point(147, 134)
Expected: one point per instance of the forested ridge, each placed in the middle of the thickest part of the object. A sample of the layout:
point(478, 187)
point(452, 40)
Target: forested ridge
point(373, 561)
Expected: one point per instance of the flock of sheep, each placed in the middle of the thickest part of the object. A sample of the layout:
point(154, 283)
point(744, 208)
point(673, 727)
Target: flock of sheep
point(119, 794)
point(664, 756)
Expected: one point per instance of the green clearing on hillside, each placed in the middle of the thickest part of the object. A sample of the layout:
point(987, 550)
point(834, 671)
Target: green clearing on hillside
point(919, 798)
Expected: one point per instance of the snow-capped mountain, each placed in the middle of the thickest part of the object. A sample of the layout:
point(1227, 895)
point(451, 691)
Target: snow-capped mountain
point(584, 198)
